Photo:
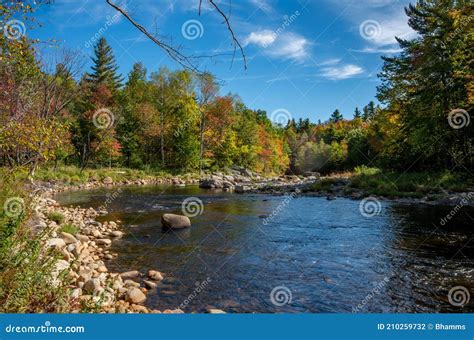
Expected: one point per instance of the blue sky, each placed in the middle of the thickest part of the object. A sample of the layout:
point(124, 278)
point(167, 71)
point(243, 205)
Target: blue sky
point(306, 57)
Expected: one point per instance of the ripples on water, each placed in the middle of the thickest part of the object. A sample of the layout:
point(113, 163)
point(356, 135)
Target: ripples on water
point(326, 253)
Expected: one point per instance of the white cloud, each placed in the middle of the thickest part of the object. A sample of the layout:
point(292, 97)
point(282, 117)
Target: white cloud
point(342, 72)
point(262, 38)
point(286, 46)
point(289, 46)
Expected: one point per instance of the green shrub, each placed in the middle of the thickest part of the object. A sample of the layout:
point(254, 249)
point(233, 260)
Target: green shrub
point(56, 217)
point(69, 228)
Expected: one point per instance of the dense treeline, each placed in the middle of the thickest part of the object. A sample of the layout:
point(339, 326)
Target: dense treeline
point(179, 121)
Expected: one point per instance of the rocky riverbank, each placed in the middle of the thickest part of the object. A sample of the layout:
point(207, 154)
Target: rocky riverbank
point(82, 258)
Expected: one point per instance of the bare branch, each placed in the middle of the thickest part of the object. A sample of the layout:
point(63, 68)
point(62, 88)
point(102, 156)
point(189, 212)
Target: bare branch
point(173, 52)
point(231, 31)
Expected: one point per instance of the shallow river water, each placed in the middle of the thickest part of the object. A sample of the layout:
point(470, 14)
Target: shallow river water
point(310, 255)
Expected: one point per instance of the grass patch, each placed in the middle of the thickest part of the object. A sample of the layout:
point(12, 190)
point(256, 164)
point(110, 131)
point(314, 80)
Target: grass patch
point(414, 184)
point(69, 228)
point(56, 217)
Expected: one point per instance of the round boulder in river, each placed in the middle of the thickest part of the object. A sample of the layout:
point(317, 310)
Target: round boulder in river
point(173, 221)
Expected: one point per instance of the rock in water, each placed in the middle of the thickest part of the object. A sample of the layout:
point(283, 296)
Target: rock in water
point(155, 275)
point(173, 221)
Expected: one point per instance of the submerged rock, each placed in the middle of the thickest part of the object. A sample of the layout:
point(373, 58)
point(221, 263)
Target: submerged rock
point(173, 221)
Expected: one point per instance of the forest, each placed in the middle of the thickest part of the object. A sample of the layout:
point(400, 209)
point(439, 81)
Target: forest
point(178, 121)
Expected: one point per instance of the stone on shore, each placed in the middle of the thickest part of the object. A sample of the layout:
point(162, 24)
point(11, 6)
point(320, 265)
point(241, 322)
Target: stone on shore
point(82, 238)
point(56, 243)
point(135, 295)
point(173, 221)
point(240, 189)
point(68, 238)
point(116, 233)
point(130, 275)
point(211, 183)
point(108, 180)
point(216, 311)
point(92, 285)
point(103, 242)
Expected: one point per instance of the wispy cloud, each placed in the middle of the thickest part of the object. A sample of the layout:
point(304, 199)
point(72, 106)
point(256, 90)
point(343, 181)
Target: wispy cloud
point(391, 28)
point(264, 5)
point(341, 72)
point(386, 50)
point(328, 62)
point(284, 46)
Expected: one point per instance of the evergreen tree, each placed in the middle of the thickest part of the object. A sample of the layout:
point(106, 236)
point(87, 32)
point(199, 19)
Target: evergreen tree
point(357, 113)
point(336, 116)
point(369, 111)
point(104, 70)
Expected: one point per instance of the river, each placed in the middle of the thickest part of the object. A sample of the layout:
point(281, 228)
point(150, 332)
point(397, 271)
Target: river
point(268, 254)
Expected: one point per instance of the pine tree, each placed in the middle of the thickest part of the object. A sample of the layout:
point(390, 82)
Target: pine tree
point(336, 116)
point(105, 67)
point(357, 113)
point(369, 111)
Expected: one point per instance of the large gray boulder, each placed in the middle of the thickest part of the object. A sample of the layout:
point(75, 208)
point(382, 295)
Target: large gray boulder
point(173, 221)
point(211, 183)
